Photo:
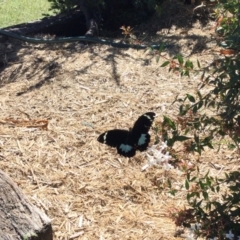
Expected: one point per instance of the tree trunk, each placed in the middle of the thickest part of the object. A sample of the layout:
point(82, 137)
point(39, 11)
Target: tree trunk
point(91, 20)
point(19, 219)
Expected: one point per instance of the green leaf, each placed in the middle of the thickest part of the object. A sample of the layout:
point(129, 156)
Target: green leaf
point(198, 63)
point(210, 145)
point(187, 184)
point(205, 195)
point(196, 138)
point(182, 110)
point(191, 98)
point(173, 192)
point(180, 58)
point(165, 64)
point(169, 122)
point(199, 95)
point(186, 73)
point(202, 186)
point(231, 146)
point(200, 104)
point(208, 181)
point(157, 59)
point(198, 204)
point(195, 108)
point(193, 179)
point(189, 64)
point(212, 189)
point(170, 142)
point(169, 183)
point(203, 75)
point(206, 140)
point(187, 130)
point(181, 138)
point(161, 48)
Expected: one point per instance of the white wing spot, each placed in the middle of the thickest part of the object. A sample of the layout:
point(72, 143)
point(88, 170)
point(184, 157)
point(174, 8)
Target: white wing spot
point(105, 137)
point(125, 148)
point(142, 139)
point(145, 115)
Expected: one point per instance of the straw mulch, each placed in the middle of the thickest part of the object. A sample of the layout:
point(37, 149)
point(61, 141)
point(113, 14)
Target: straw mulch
point(55, 101)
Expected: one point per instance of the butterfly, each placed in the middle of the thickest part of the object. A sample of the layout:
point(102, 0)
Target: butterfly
point(127, 142)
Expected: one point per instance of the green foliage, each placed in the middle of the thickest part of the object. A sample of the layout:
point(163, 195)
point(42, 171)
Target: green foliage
point(223, 99)
point(196, 128)
point(29, 236)
point(215, 216)
point(62, 5)
point(229, 24)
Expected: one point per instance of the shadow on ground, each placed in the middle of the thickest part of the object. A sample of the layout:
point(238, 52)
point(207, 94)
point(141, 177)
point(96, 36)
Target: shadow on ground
point(154, 31)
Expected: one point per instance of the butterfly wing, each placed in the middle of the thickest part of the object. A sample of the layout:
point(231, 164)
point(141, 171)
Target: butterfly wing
point(127, 142)
point(126, 149)
point(113, 138)
point(120, 139)
point(139, 132)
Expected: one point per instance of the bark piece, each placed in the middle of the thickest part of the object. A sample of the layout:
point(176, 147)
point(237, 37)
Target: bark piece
point(19, 219)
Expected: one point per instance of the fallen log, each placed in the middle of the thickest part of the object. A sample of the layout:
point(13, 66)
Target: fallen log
point(20, 219)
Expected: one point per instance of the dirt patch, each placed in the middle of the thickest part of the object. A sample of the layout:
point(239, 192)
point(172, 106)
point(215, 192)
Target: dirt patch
point(88, 190)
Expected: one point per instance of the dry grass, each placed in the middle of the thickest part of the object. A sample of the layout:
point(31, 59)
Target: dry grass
point(88, 190)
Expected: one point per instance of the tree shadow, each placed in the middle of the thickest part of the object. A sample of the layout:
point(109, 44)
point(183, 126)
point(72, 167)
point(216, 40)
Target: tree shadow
point(178, 16)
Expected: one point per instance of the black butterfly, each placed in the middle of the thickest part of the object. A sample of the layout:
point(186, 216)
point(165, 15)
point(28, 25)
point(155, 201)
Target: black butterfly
point(127, 142)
